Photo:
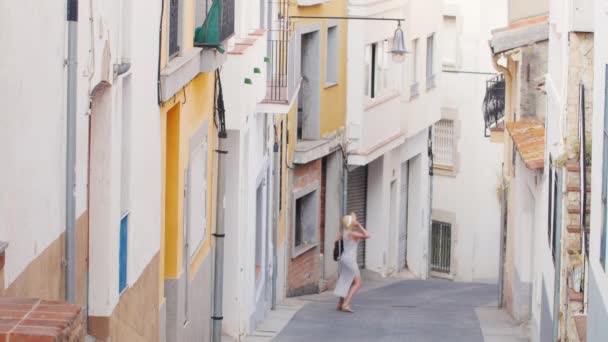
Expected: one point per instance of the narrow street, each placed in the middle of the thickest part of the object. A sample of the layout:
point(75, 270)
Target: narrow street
point(397, 310)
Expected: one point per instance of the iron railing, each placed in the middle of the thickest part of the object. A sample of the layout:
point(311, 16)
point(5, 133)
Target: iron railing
point(494, 102)
point(284, 72)
point(173, 28)
point(441, 247)
point(227, 20)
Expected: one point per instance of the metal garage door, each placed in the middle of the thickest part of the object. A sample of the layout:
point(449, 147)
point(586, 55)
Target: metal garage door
point(357, 203)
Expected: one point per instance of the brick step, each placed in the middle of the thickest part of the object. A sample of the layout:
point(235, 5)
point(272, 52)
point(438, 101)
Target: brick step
point(576, 229)
point(574, 296)
point(577, 188)
point(581, 326)
point(574, 209)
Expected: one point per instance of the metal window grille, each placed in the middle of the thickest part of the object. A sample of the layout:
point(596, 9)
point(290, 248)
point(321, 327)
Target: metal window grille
point(441, 247)
point(493, 106)
point(443, 143)
point(173, 28)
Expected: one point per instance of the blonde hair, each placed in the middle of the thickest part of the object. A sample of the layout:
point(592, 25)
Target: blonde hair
point(349, 221)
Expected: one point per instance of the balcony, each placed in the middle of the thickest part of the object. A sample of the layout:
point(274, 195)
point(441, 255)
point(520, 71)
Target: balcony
point(494, 104)
point(218, 25)
point(283, 79)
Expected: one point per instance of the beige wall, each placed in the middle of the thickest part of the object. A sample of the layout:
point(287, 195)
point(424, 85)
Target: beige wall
point(524, 9)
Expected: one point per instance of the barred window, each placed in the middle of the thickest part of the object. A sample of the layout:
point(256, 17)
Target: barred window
point(443, 144)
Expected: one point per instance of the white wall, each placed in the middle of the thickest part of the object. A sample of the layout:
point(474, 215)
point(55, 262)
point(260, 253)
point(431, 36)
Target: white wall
point(599, 300)
point(32, 131)
point(371, 121)
point(418, 113)
point(33, 135)
point(476, 226)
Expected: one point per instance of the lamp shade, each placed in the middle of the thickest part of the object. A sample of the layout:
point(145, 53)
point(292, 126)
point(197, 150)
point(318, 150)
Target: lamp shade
point(398, 49)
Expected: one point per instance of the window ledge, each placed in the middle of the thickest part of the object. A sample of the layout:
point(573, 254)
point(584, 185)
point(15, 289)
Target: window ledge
point(371, 103)
point(442, 170)
point(311, 2)
point(330, 84)
point(297, 251)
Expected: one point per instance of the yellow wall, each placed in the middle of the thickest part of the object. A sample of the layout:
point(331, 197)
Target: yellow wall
point(182, 116)
point(333, 99)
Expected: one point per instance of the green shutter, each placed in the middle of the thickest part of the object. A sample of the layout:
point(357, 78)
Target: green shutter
point(209, 33)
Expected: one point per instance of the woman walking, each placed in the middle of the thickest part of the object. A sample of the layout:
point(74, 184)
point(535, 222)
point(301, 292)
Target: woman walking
point(349, 281)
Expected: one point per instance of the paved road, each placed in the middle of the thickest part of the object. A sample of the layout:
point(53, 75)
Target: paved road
point(408, 310)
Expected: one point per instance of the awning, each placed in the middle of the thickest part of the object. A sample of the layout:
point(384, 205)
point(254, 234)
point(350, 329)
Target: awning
point(529, 138)
point(521, 33)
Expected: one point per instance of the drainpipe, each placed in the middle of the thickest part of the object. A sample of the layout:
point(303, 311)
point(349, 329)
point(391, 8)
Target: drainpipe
point(70, 181)
point(275, 223)
point(430, 218)
point(218, 281)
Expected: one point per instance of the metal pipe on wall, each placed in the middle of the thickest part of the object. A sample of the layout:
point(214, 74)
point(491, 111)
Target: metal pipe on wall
point(218, 276)
point(70, 184)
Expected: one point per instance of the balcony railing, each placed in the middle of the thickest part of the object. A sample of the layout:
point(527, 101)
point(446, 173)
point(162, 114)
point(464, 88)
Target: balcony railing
point(218, 25)
point(494, 102)
point(284, 66)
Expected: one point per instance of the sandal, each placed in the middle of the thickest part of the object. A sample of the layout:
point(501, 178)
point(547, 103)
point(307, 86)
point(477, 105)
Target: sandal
point(346, 308)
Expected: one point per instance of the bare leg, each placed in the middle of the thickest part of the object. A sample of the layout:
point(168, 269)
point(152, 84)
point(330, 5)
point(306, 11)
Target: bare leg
point(353, 289)
point(340, 303)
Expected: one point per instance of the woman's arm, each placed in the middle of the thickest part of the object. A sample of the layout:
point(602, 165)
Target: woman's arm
point(363, 230)
point(363, 235)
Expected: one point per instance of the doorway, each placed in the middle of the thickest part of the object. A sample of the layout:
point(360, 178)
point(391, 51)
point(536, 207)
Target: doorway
point(357, 203)
point(403, 216)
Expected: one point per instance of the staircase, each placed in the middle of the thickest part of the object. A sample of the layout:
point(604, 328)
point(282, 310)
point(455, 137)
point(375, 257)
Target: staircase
point(573, 264)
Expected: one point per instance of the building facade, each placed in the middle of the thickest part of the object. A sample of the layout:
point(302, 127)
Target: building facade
point(87, 164)
point(465, 235)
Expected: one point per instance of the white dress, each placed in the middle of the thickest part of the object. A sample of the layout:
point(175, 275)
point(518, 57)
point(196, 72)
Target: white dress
point(348, 266)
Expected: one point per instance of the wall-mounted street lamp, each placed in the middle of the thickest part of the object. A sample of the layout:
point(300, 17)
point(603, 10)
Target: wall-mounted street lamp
point(398, 49)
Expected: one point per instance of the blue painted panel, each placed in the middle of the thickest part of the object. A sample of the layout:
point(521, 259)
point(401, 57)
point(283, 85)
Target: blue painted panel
point(122, 254)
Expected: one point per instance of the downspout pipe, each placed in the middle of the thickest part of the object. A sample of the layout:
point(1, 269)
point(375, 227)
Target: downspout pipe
point(275, 222)
point(218, 279)
point(70, 184)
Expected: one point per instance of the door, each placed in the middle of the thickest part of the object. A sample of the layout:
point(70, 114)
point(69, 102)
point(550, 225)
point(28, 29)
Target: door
point(403, 214)
point(357, 203)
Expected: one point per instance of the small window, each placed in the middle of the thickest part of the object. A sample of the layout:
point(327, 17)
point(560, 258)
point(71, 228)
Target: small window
point(450, 39)
point(331, 62)
point(123, 253)
point(443, 145)
point(378, 70)
point(430, 73)
point(414, 63)
point(202, 7)
point(307, 213)
point(174, 28)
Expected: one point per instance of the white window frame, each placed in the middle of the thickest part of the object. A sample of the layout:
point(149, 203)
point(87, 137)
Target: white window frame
point(444, 139)
point(379, 66)
point(430, 61)
point(314, 190)
point(332, 55)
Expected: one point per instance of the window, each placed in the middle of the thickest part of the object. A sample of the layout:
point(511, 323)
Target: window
point(202, 7)
point(414, 71)
point(196, 188)
point(125, 182)
point(441, 246)
point(123, 253)
point(430, 73)
point(554, 210)
point(450, 39)
point(306, 221)
point(603, 242)
point(331, 62)
point(378, 70)
point(443, 145)
point(174, 28)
